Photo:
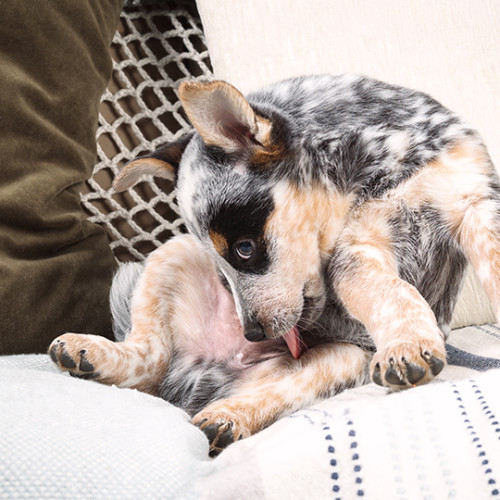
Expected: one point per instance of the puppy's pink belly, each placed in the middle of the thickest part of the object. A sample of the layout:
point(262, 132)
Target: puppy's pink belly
point(211, 330)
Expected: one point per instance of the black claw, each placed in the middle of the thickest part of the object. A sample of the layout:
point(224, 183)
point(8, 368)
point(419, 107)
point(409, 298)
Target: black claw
point(66, 360)
point(414, 373)
point(435, 364)
point(85, 364)
point(392, 376)
point(225, 439)
point(201, 422)
point(85, 376)
point(53, 355)
point(376, 377)
point(214, 452)
point(211, 431)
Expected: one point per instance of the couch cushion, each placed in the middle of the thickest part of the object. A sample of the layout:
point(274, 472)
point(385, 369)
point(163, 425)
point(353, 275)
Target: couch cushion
point(55, 266)
point(70, 438)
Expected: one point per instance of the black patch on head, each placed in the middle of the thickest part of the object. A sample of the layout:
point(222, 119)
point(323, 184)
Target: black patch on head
point(244, 217)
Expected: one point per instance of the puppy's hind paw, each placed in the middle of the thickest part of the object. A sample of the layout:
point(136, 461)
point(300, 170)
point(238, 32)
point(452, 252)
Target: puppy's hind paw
point(221, 431)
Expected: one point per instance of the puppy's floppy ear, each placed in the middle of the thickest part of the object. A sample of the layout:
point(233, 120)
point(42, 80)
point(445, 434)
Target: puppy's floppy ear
point(223, 117)
point(162, 163)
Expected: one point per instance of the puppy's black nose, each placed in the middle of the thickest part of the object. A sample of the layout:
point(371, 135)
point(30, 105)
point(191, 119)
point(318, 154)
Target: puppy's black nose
point(254, 333)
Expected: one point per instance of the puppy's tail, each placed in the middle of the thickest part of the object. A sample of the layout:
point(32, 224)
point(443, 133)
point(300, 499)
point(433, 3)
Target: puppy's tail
point(120, 297)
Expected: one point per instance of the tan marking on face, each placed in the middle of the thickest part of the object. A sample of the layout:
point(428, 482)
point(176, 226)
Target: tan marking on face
point(300, 233)
point(307, 220)
point(219, 242)
point(309, 212)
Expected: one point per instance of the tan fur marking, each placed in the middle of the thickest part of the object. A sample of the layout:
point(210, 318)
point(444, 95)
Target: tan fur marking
point(372, 290)
point(220, 242)
point(302, 217)
point(314, 212)
point(131, 172)
point(369, 234)
point(271, 151)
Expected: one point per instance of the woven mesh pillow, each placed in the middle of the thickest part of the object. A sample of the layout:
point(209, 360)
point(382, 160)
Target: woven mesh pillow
point(155, 48)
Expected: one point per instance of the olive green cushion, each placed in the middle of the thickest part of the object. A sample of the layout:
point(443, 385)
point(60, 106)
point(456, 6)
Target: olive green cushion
point(55, 267)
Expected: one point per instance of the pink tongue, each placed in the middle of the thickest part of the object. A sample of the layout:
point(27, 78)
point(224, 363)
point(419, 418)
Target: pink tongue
point(294, 342)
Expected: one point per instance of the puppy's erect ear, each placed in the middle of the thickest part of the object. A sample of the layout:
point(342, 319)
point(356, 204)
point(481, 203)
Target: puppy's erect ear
point(162, 163)
point(223, 117)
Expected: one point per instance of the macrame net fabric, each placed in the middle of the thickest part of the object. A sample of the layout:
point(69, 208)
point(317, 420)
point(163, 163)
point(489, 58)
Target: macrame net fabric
point(156, 47)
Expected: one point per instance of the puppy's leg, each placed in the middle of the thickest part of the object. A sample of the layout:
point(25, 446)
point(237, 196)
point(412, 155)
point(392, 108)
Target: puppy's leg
point(364, 273)
point(278, 387)
point(141, 360)
point(466, 190)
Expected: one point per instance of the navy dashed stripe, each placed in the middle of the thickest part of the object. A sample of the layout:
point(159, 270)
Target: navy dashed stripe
point(330, 448)
point(477, 442)
point(333, 461)
point(493, 420)
point(355, 458)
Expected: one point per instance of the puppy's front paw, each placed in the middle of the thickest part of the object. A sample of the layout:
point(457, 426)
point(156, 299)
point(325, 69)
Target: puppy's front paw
point(221, 427)
point(73, 353)
point(408, 363)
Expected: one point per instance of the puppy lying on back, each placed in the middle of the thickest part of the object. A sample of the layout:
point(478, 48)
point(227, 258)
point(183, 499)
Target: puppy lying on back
point(330, 221)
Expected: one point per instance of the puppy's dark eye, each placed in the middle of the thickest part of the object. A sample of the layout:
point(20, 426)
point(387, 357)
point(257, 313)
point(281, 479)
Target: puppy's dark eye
point(244, 249)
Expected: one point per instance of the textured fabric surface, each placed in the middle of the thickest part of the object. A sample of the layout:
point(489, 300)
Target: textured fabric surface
point(155, 48)
point(55, 266)
point(69, 438)
point(434, 442)
point(447, 48)
point(64, 438)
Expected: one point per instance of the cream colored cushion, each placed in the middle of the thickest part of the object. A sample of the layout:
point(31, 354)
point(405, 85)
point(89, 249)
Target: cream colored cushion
point(447, 48)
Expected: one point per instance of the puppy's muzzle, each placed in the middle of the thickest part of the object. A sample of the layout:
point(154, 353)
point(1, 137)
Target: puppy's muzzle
point(254, 332)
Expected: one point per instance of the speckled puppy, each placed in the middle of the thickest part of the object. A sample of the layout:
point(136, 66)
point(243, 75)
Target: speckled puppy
point(339, 212)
